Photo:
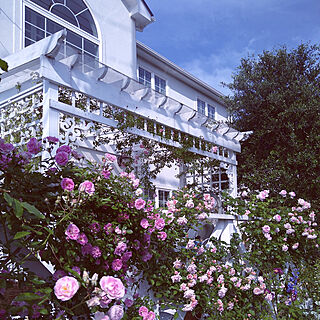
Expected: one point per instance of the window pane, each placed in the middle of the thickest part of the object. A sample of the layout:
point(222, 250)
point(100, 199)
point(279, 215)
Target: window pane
point(144, 77)
point(74, 39)
point(27, 42)
point(163, 197)
point(64, 13)
point(201, 106)
point(35, 18)
point(76, 5)
point(160, 85)
point(86, 23)
point(33, 32)
point(211, 112)
point(91, 47)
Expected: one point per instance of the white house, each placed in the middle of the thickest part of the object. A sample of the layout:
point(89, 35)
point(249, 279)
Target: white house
point(90, 48)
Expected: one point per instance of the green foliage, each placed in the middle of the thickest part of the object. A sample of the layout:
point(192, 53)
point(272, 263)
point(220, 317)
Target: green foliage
point(276, 94)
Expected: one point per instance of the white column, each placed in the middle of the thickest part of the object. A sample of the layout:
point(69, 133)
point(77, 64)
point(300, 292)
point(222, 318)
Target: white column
point(50, 117)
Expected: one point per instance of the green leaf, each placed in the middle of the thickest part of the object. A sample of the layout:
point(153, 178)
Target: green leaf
point(17, 207)
point(32, 209)
point(44, 311)
point(3, 65)
point(21, 234)
point(27, 296)
point(8, 198)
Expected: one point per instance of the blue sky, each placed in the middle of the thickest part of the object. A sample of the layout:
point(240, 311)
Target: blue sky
point(209, 37)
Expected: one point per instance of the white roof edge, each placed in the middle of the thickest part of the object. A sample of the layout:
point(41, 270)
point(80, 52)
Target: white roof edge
point(178, 69)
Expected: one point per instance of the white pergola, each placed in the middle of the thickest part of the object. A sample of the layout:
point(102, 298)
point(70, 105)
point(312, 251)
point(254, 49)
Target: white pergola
point(31, 105)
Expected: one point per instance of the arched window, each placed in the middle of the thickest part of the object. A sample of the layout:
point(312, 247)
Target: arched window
point(45, 17)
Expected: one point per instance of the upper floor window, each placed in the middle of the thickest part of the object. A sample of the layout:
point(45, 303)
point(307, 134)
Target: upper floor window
point(159, 85)
point(201, 106)
point(211, 112)
point(45, 17)
point(145, 77)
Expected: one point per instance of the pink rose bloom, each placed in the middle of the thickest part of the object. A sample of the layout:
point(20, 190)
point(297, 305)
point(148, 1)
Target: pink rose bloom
point(120, 249)
point(62, 158)
point(116, 312)
point(52, 139)
point(116, 264)
point(139, 192)
point(292, 194)
point(65, 149)
point(72, 232)
point(82, 239)
point(135, 183)
point(182, 221)
point(34, 146)
point(67, 184)
point(266, 229)
point(139, 204)
point(189, 203)
point(143, 311)
point(113, 287)
point(110, 157)
point(277, 217)
point(257, 291)
point(100, 315)
point(87, 186)
point(144, 223)
point(177, 264)
point(295, 246)
point(151, 316)
point(65, 288)
point(176, 277)
point(263, 195)
point(159, 223)
point(284, 248)
point(283, 193)
point(162, 236)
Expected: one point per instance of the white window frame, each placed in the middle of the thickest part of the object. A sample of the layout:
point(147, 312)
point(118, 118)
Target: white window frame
point(151, 76)
point(165, 87)
point(214, 113)
point(205, 105)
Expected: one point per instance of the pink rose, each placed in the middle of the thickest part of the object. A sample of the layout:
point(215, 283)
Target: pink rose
point(65, 288)
point(159, 223)
point(72, 232)
point(277, 217)
point(283, 193)
point(257, 291)
point(151, 316)
point(65, 149)
point(295, 246)
point(284, 248)
point(34, 146)
point(144, 223)
point(87, 187)
point(52, 139)
point(110, 157)
point(62, 158)
point(116, 312)
point(113, 287)
point(139, 204)
point(67, 184)
point(162, 236)
point(120, 249)
point(143, 311)
point(116, 264)
point(266, 229)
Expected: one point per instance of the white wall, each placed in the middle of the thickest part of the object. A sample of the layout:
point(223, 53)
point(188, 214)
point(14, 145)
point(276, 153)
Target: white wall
point(182, 92)
point(116, 31)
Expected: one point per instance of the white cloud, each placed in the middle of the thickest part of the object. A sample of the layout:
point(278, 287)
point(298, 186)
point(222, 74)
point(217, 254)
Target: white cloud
point(217, 68)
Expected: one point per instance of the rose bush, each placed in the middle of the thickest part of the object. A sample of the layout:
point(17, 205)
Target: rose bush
point(108, 245)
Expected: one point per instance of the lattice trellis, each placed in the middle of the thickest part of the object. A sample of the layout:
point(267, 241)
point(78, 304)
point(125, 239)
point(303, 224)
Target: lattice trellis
point(20, 118)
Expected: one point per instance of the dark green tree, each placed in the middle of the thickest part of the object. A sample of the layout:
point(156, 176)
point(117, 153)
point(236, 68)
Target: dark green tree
point(277, 96)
